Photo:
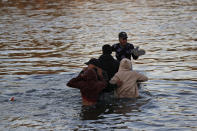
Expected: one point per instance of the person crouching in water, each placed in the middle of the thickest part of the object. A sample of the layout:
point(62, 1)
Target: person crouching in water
point(89, 86)
point(129, 78)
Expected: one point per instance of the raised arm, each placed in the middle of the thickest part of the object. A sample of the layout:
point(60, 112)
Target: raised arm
point(141, 77)
point(78, 82)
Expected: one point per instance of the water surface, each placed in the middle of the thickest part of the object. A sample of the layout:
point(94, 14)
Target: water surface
point(43, 44)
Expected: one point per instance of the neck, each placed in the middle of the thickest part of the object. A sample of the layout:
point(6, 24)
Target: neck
point(123, 45)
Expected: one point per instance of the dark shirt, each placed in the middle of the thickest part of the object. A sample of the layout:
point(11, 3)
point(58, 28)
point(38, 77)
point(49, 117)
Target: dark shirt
point(109, 64)
point(124, 52)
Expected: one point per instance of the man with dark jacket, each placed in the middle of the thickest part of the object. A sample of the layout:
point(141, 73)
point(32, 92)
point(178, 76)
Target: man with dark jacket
point(109, 64)
point(123, 49)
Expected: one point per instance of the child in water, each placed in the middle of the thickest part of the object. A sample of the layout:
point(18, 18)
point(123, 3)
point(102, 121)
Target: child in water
point(129, 78)
point(89, 86)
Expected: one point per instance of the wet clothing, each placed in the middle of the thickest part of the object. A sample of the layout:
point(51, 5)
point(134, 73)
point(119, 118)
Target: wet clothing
point(124, 52)
point(110, 65)
point(129, 78)
point(89, 85)
point(104, 73)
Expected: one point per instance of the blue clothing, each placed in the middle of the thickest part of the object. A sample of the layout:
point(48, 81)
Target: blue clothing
point(124, 52)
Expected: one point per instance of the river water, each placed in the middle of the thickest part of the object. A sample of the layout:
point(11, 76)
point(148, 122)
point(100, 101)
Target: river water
point(43, 44)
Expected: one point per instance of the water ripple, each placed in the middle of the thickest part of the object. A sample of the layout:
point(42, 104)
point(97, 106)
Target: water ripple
point(45, 43)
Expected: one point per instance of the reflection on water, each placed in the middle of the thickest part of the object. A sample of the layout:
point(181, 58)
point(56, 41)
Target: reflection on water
point(45, 43)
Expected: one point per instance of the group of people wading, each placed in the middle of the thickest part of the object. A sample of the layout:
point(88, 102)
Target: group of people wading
point(106, 75)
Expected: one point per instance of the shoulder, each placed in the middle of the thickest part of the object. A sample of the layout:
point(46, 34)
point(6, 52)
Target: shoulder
point(130, 45)
point(135, 72)
point(115, 45)
point(100, 57)
point(138, 74)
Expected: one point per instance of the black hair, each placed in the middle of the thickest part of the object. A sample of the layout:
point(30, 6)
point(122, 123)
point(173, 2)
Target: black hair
point(106, 49)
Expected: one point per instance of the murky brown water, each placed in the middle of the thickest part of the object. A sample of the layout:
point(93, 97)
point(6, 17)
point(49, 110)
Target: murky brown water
point(45, 43)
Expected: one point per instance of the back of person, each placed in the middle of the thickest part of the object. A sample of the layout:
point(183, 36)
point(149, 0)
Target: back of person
point(108, 63)
point(129, 78)
point(89, 85)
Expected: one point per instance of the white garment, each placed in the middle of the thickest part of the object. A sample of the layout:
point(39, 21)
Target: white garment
point(129, 78)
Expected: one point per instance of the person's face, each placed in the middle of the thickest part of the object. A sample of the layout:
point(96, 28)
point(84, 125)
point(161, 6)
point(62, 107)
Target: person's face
point(123, 41)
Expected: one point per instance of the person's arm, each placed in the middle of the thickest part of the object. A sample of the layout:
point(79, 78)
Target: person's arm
point(105, 76)
point(114, 86)
point(101, 85)
point(74, 83)
point(141, 77)
point(84, 69)
point(114, 79)
point(102, 75)
point(113, 48)
point(78, 82)
point(133, 55)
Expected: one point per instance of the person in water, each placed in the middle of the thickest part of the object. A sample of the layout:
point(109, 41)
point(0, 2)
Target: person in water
point(110, 65)
point(90, 86)
point(123, 49)
point(107, 62)
point(94, 63)
point(97, 65)
point(129, 78)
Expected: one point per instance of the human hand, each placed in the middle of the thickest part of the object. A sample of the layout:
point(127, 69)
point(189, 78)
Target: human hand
point(138, 52)
point(119, 83)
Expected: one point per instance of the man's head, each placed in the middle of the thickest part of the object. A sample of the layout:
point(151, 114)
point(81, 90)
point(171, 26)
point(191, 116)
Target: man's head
point(106, 49)
point(123, 38)
point(93, 62)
